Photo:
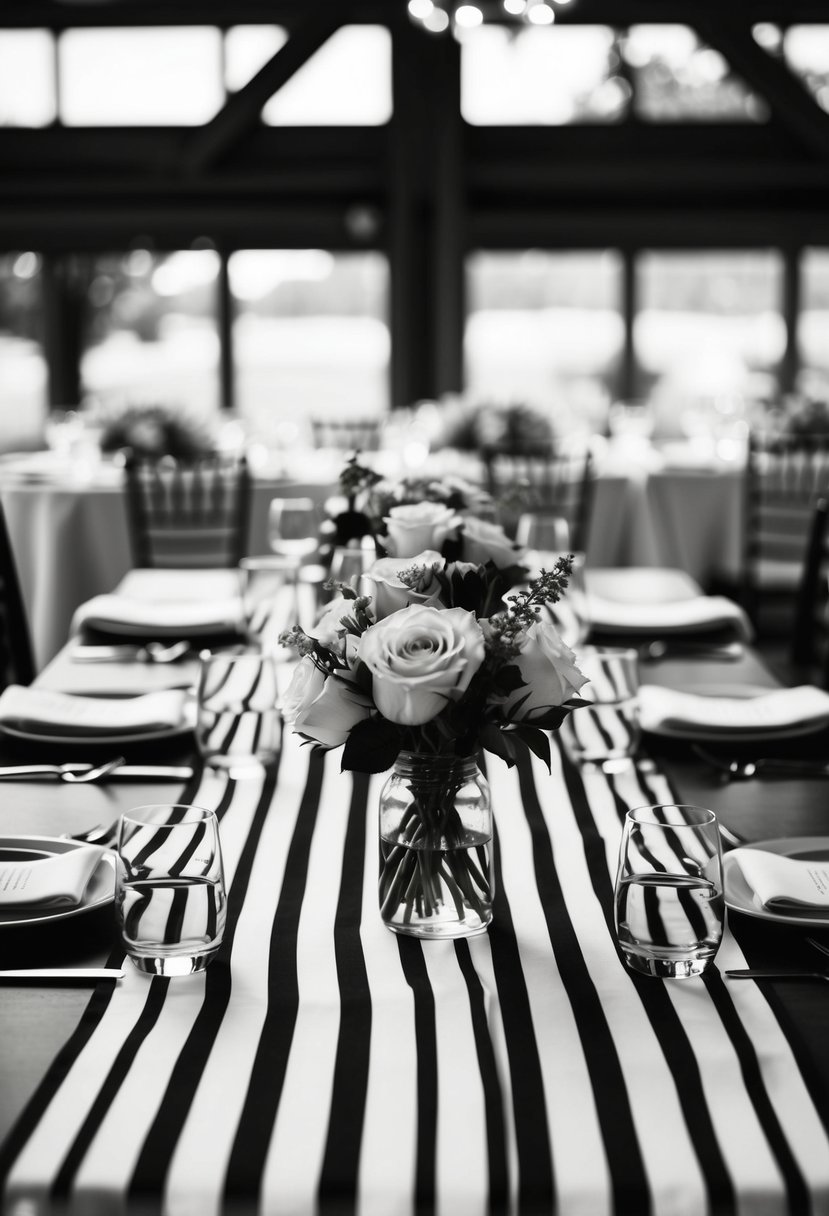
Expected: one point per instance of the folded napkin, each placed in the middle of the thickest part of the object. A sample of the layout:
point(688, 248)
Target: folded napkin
point(57, 881)
point(786, 885)
point(60, 713)
point(161, 619)
point(778, 712)
point(695, 615)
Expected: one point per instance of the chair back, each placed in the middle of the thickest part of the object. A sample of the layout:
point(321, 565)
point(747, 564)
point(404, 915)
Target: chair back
point(188, 514)
point(537, 480)
point(17, 665)
point(810, 642)
point(346, 434)
point(785, 477)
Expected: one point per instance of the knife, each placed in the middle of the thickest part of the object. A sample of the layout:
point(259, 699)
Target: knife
point(139, 772)
point(69, 974)
point(765, 973)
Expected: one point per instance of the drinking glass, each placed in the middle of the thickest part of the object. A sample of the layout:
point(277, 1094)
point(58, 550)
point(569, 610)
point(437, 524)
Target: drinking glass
point(668, 899)
point(237, 714)
point(607, 730)
point(544, 531)
point(266, 598)
point(293, 533)
point(169, 888)
point(292, 527)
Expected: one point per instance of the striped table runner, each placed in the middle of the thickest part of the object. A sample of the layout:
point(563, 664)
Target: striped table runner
point(323, 1065)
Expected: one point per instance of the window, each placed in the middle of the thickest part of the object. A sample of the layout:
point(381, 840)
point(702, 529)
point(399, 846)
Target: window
point(541, 76)
point(545, 329)
point(151, 76)
point(151, 332)
point(676, 76)
point(813, 323)
point(27, 78)
point(708, 326)
point(310, 339)
point(24, 378)
point(347, 82)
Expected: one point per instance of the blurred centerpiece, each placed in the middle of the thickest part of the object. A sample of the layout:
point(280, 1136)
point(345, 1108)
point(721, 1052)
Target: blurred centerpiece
point(155, 430)
point(420, 668)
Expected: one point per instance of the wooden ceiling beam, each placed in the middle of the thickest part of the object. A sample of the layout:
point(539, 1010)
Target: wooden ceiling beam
point(788, 98)
point(241, 113)
point(61, 14)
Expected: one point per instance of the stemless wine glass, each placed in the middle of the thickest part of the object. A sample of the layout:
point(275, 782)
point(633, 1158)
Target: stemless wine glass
point(669, 906)
point(293, 533)
point(169, 888)
point(292, 527)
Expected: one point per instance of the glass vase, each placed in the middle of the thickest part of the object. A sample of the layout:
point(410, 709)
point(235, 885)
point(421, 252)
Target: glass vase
point(435, 847)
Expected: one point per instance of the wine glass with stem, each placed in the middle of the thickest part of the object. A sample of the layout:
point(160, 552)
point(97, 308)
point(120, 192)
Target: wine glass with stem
point(293, 534)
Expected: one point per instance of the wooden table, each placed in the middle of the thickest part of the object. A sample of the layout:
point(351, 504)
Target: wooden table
point(325, 1065)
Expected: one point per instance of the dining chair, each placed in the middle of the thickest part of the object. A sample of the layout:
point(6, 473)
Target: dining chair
point(17, 664)
point(536, 479)
point(188, 513)
point(809, 652)
point(785, 477)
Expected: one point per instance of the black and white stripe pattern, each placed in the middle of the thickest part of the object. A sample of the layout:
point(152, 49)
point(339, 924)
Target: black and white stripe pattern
point(323, 1065)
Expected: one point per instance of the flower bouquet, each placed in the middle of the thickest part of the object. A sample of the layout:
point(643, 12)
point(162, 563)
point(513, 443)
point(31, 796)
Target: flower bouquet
point(426, 664)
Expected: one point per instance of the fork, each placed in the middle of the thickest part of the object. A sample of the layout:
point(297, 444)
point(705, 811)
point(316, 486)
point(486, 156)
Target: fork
point(72, 774)
point(152, 652)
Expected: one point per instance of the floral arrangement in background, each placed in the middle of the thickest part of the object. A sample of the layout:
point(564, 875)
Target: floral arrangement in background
point(472, 425)
point(156, 430)
point(433, 658)
point(806, 417)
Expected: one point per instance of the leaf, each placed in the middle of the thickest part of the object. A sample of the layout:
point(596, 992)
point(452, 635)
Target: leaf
point(499, 743)
point(537, 741)
point(372, 746)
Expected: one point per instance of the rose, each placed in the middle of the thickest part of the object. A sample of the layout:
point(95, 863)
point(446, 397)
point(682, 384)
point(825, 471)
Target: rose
point(419, 659)
point(483, 542)
point(414, 527)
point(389, 592)
point(329, 627)
point(305, 686)
point(548, 669)
point(323, 709)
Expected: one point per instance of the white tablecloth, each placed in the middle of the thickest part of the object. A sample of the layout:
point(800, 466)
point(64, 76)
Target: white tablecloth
point(71, 542)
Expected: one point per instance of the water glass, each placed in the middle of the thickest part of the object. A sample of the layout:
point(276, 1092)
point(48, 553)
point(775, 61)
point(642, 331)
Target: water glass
point(607, 729)
point(170, 897)
point(237, 717)
point(293, 527)
point(668, 899)
point(267, 598)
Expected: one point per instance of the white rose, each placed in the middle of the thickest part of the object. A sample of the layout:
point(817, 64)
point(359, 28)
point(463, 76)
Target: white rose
point(414, 527)
point(389, 593)
point(329, 719)
point(483, 542)
point(419, 659)
point(305, 686)
point(329, 627)
point(548, 668)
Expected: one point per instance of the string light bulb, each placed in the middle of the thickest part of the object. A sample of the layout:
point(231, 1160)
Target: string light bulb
point(460, 16)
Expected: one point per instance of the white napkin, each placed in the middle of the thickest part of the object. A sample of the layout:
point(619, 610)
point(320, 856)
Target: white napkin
point(780, 711)
point(61, 713)
point(674, 616)
point(789, 885)
point(55, 881)
point(165, 618)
